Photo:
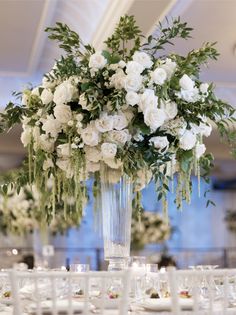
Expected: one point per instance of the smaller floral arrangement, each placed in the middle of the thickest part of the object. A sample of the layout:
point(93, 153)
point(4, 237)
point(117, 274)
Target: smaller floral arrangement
point(20, 211)
point(230, 220)
point(149, 228)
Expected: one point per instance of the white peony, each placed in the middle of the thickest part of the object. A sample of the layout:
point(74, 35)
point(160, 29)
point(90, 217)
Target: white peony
point(169, 66)
point(143, 59)
point(64, 150)
point(104, 123)
point(119, 121)
point(186, 83)
point(97, 61)
point(159, 142)
point(46, 96)
point(159, 76)
point(170, 109)
point(90, 136)
point(51, 126)
point(134, 67)
point(148, 100)
point(119, 136)
point(64, 93)
point(188, 140)
point(108, 150)
point(132, 82)
point(200, 150)
point(92, 154)
point(62, 113)
point(117, 79)
point(154, 118)
point(132, 98)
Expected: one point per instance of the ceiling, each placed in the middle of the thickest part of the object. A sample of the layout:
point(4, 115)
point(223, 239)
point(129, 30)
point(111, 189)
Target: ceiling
point(26, 53)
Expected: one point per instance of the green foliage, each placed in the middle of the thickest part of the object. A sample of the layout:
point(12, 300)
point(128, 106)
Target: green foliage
point(174, 29)
point(126, 34)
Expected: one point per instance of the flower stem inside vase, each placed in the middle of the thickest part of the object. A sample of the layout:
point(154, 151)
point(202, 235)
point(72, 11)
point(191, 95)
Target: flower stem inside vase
point(116, 202)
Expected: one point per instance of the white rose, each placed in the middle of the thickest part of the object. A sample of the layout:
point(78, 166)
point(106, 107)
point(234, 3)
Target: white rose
point(159, 76)
point(64, 93)
point(112, 163)
point(189, 96)
point(104, 123)
point(46, 96)
point(159, 142)
point(119, 136)
point(132, 98)
point(97, 61)
point(64, 150)
point(26, 136)
point(148, 100)
point(92, 154)
point(119, 121)
point(132, 82)
point(46, 143)
point(169, 66)
point(92, 167)
point(204, 88)
point(51, 126)
point(186, 83)
point(188, 140)
point(143, 58)
point(62, 113)
point(170, 109)
point(108, 150)
point(134, 67)
point(117, 79)
point(47, 164)
point(200, 150)
point(154, 118)
point(90, 136)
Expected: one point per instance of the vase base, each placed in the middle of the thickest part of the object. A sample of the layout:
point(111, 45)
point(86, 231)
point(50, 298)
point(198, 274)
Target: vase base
point(117, 263)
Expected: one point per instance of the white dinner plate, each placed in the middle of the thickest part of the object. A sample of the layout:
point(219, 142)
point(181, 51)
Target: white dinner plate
point(61, 306)
point(164, 304)
point(109, 304)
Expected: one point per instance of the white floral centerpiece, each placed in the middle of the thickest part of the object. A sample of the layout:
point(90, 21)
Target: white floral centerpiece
point(149, 228)
point(20, 213)
point(138, 111)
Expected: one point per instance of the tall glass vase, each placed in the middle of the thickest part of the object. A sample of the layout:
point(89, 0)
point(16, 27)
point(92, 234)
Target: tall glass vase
point(116, 202)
